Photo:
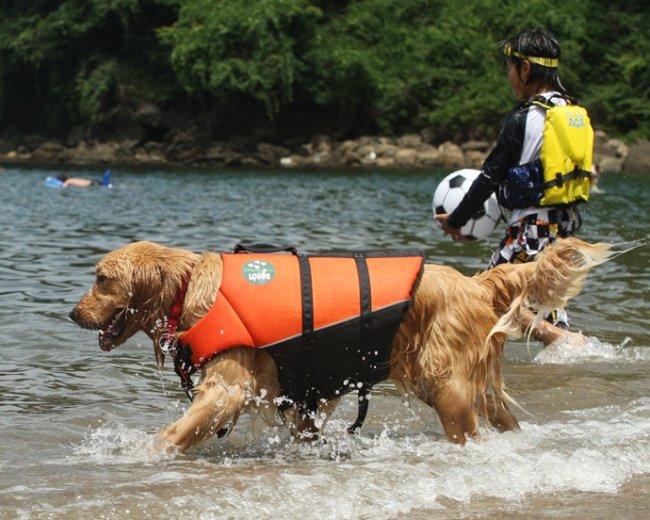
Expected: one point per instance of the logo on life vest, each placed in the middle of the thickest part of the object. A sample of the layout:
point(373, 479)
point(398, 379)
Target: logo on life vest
point(258, 272)
point(576, 120)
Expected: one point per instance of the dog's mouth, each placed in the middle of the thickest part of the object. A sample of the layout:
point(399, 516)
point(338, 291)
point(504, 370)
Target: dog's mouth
point(112, 330)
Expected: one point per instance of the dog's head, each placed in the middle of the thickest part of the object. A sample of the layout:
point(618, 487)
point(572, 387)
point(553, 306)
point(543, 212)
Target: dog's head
point(134, 288)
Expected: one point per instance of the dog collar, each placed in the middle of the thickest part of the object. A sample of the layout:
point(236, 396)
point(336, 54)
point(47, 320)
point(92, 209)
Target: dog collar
point(167, 342)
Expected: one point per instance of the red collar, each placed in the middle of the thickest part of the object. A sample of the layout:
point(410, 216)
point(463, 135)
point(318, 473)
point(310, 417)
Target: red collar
point(167, 341)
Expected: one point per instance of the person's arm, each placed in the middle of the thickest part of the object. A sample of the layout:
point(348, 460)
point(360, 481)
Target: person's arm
point(478, 193)
point(505, 154)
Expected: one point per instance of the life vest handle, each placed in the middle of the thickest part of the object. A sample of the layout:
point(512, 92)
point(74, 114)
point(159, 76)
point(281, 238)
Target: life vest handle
point(264, 248)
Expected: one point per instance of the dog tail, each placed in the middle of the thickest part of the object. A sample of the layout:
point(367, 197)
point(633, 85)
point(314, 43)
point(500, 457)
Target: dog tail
point(557, 275)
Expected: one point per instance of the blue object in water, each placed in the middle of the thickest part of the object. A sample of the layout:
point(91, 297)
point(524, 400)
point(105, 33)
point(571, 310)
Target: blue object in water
point(106, 179)
point(53, 182)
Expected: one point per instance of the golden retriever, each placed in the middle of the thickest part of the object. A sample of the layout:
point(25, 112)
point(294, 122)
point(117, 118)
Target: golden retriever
point(447, 350)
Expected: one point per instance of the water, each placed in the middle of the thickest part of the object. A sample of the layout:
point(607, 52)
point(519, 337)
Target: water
point(77, 425)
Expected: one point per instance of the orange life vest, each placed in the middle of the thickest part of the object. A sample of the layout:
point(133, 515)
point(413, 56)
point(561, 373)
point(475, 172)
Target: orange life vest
point(328, 321)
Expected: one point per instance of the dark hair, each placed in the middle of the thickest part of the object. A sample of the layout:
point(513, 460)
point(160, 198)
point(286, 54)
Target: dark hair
point(539, 44)
point(62, 177)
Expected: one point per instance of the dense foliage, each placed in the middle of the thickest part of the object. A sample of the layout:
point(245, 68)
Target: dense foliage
point(344, 67)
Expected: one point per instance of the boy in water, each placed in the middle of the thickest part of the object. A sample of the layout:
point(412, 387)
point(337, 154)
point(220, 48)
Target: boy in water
point(532, 60)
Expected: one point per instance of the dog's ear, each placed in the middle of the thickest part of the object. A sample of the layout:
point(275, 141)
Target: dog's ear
point(146, 283)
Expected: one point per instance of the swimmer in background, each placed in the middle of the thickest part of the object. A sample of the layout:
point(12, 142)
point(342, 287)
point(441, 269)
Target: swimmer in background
point(84, 183)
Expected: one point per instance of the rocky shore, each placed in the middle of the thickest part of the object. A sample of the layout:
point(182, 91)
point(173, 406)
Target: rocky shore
point(142, 139)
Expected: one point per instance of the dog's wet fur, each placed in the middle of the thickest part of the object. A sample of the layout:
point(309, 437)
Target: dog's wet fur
point(448, 350)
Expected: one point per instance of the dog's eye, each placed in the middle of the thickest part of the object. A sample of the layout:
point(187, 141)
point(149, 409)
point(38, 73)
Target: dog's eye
point(100, 278)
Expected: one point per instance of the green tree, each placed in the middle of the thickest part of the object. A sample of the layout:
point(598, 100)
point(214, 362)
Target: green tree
point(342, 66)
point(63, 62)
point(616, 68)
point(235, 48)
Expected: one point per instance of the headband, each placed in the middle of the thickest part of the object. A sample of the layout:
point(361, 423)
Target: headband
point(544, 62)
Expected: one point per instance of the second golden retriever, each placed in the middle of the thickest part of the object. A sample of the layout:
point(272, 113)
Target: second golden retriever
point(447, 350)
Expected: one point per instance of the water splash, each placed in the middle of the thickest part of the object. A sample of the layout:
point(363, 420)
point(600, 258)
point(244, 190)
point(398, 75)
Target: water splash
point(114, 443)
point(567, 351)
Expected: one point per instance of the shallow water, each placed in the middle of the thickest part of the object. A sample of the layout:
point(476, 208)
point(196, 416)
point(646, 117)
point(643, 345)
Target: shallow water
point(77, 425)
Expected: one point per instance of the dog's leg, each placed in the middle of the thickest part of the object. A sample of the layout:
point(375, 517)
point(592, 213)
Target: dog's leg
point(234, 380)
point(455, 406)
point(215, 406)
point(226, 386)
point(305, 425)
point(454, 403)
point(499, 415)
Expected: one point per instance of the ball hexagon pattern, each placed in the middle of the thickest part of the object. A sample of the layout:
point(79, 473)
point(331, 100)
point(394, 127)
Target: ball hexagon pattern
point(451, 191)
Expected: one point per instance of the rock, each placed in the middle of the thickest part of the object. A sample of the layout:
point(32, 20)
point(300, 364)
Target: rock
point(638, 158)
point(33, 141)
point(105, 153)
point(321, 143)
point(620, 148)
point(367, 151)
point(349, 145)
point(146, 135)
point(406, 157)
point(385, 162)
point(410, 141)
point(385, 148)
point(429, 157)
point(287, 162)
point(428, 135)
point(610, 164)
point(323, 159)
point(118, 125)
point(149, 115)
point(270, 154)
point(293, 161)
point(50, 152)
point(475, 146)
point(350, 158)
point(183, 146)
point(451, 155)
point(474, 159)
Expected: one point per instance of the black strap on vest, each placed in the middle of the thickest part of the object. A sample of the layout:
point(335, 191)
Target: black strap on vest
point(307, 298)
point(364, 339)
point(365, 375)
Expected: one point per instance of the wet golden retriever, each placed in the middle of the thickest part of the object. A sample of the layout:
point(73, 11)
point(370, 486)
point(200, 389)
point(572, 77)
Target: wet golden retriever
point(447, 350)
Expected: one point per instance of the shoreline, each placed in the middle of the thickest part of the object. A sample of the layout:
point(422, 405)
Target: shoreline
point(410, 151)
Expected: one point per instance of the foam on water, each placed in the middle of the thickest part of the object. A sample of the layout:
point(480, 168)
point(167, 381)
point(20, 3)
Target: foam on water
point(114, 443)
point(386, 475)
point(566, 351)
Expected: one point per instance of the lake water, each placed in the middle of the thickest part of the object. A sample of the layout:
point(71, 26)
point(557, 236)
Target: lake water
point(77, 425)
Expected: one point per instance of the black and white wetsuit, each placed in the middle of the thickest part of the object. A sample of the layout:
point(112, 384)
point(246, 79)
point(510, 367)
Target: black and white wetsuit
point(529, 229)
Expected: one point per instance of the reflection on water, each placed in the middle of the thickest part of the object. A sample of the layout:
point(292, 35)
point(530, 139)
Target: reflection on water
point(78, 425)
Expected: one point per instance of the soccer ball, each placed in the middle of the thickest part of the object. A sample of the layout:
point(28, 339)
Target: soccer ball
point(451, 191)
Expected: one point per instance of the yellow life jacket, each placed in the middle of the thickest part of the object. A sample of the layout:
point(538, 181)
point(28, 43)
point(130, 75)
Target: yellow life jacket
point(567, 154)
point(562, 174)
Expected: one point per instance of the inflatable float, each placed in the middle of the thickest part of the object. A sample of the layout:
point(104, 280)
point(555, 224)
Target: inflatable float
point(59, 181)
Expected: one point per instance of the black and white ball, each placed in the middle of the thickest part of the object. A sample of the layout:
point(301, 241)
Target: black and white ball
point(451, 191)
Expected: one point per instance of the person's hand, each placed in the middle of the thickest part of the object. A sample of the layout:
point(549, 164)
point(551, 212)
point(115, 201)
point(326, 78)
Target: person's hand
point(447, 229)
